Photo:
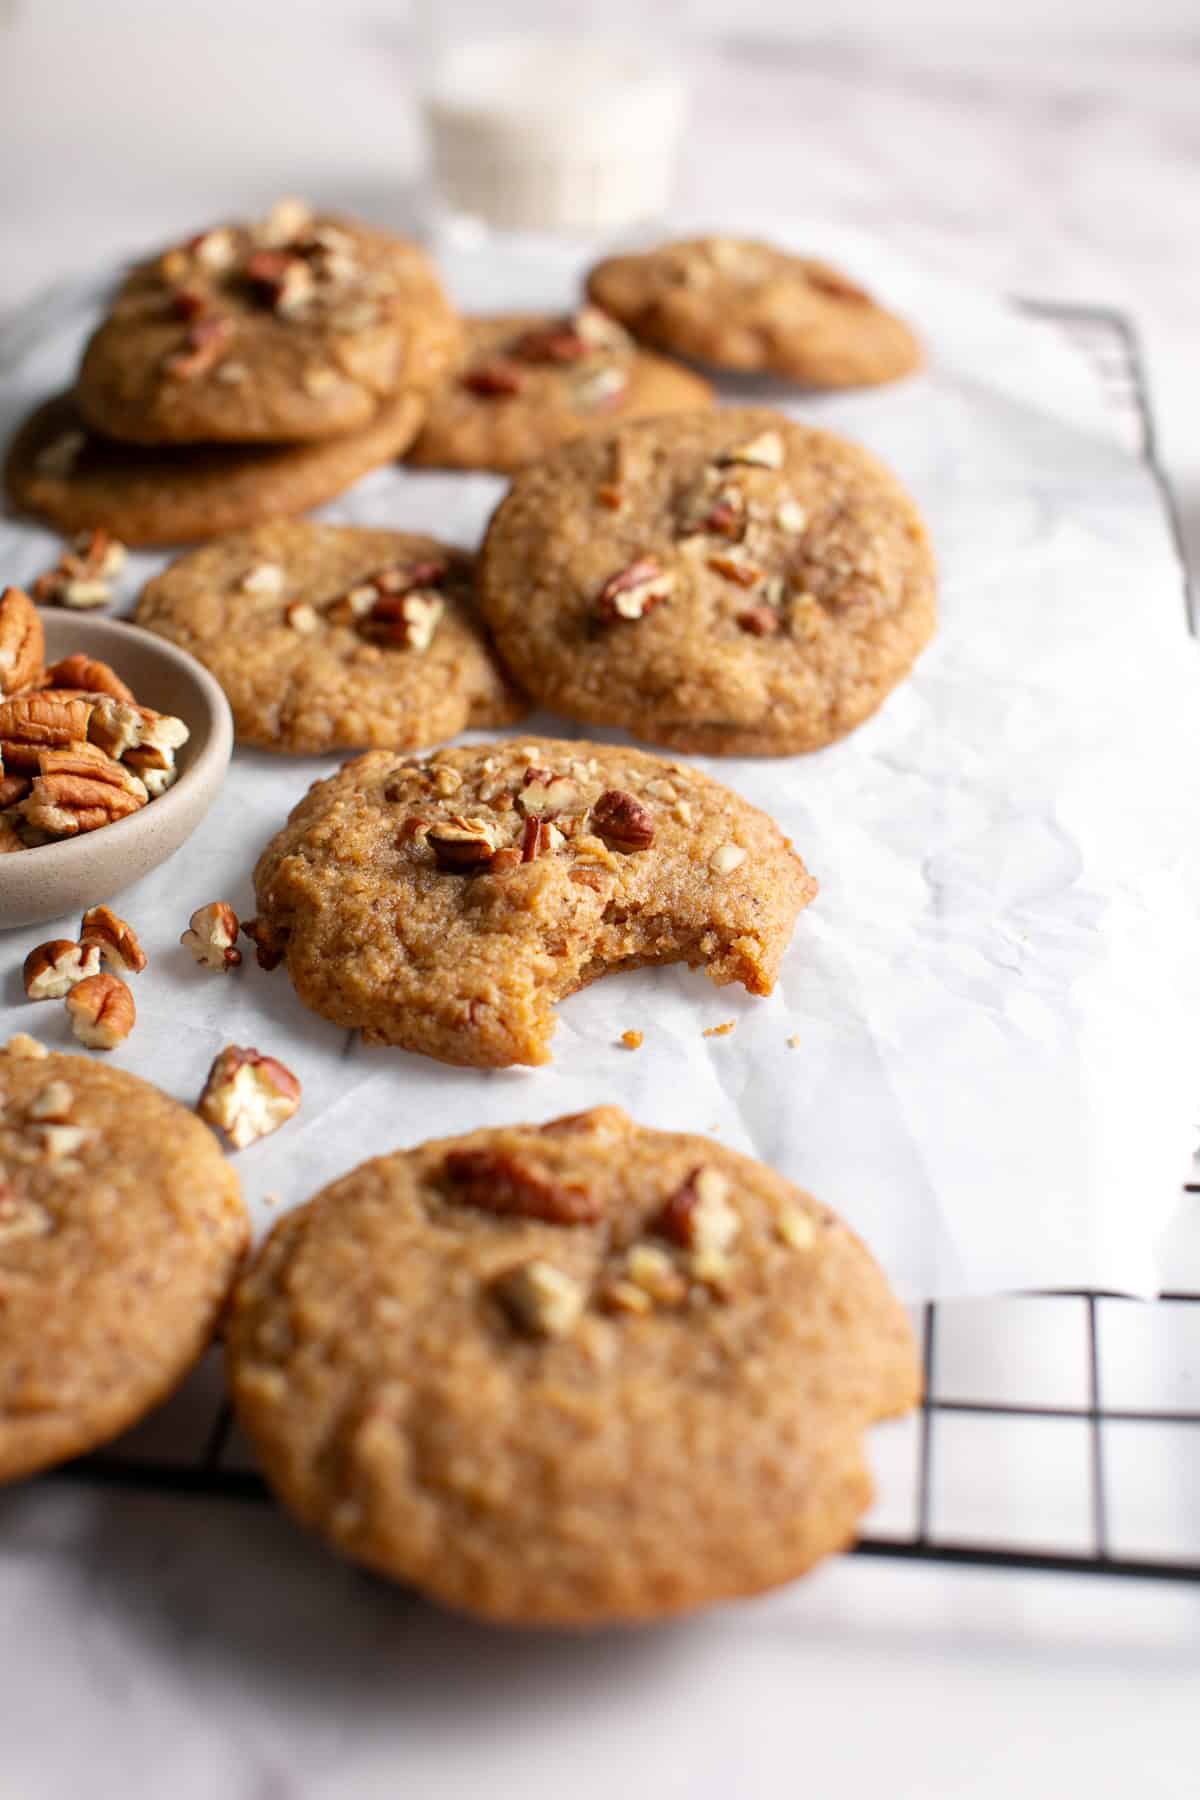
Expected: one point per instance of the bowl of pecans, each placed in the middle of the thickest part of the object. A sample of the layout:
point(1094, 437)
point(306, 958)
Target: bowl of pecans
point(113, 746)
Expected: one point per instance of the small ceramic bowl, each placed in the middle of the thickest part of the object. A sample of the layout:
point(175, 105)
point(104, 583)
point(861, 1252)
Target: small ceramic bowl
point(82, 871)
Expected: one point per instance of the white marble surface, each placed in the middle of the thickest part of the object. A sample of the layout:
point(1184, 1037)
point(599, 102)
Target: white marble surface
point(152, 1646)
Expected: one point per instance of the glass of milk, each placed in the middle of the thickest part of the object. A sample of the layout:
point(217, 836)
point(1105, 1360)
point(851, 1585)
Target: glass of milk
point(545, 117)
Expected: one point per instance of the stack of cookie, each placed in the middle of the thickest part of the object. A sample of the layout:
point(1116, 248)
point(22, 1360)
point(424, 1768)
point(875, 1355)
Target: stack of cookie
point(253, 371)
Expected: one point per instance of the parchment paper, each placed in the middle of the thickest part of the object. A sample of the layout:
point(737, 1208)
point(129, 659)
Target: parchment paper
point(997, 991)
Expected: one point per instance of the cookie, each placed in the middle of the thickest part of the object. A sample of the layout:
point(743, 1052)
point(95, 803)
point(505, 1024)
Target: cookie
point(530, 383)
point(300, 327)
point(572, 1375)
point(445, 906)
point(729, 582)
point(78, 481)
point(121, 1225)
point(739, 304)
point(328, 637)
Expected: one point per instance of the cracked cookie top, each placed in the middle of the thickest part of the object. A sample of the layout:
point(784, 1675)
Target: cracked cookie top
point(444, 906)
point(570, 1374)
point(728, 582)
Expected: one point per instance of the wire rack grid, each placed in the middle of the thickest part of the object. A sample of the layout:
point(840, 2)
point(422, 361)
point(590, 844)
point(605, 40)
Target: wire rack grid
point(1059, 1431)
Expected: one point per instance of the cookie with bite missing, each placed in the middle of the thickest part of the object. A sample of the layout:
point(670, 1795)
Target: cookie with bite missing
point(739, 304)
point(60, 470)
point(329, 637)
point(121, 1227)
point(446, 906)
point(570, 1375)
point(299, 326)
point(731, 582)
point(530, 382)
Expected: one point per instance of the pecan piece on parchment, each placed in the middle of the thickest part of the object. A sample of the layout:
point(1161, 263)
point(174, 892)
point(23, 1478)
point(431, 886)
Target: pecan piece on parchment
point(248, 1095)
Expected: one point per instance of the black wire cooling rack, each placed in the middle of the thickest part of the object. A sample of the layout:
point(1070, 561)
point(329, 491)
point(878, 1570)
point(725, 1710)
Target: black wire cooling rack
point(1060, 1431)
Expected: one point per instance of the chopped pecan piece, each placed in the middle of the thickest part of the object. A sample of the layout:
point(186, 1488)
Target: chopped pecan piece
point(762, 452)
point(494, 378)
point(409, 620)
point(635, 590)
point(206, 343)
point(546, 794)
point(622, 821)
point(540, 1298)
point(558, 342)
point(21, 1215)
point(114, 938)
point(495, 1181)
point(22, 642)
point(190, 302)
point(462, 844)
point(52, 970)
point(211, 936)
point(248, 1095)
point(270, 943)
point(736, 568)
point(760, 621)
point(538, 838)
point(102, 1012)
point(698, 1216)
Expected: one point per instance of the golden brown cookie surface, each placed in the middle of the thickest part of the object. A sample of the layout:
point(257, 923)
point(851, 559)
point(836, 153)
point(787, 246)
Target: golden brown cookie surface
point(299, 326)
point(78, 480)
point(531, 382)
point(740, 304)
point(121, 1225)
point(570, 1375)
point(728, 582)
point(446, 906)
point(332, 637)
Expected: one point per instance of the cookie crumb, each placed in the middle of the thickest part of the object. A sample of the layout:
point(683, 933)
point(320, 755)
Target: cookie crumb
point(722, 1030)
point(633, 1040)
point(794, 1041)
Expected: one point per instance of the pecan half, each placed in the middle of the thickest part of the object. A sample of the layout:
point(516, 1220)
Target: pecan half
point(635, 590)
point(31, 723)
point(79, 788)
point(102, 1012)
point(622, 821)
point(248, 1095)
point(88, 676)
point(211, 936)
point(461, 844)
point(22, 642)
point(114, 938)
point(494, 378)
point(495, 1181)
point(52, 970)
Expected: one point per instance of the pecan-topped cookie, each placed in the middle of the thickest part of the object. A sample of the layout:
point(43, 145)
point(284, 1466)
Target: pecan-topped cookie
point(530, 383)
point(300, 325)
point(445, 906)
point(121, 1225)
point(728, 582)
point(740, 304)
point(570, 1375)
point(178, 494)
point(329, 637)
